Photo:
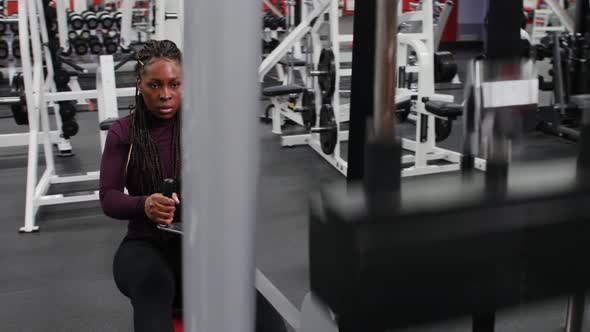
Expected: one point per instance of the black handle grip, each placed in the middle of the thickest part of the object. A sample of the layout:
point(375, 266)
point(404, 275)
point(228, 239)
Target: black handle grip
point(168, 188)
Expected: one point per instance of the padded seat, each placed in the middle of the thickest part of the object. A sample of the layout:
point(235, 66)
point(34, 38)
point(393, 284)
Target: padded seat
point(404, 104)
point(282, 90)
point(292, 61)
point(444, 109)
point(106, 124)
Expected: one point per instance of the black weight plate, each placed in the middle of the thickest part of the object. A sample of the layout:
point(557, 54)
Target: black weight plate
point(111, 48)
point(14, 27)
point(67, 110)
point(328, 139)
point(96, 48)
point(327, 82)
point(61, 77)
point(2, 27)
point(445, 67)
point(69, 128)
point(309, 115)
point(443, 129)
point(81, 48)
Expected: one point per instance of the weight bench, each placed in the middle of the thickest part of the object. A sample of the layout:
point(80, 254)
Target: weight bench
point(283, 98)
point(106, 124)
point(292, 61)
point(443, 109)
point(282, 90)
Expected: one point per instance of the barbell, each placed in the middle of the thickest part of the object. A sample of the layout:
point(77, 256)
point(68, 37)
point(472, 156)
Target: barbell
point(328, 130)
point(326, 74)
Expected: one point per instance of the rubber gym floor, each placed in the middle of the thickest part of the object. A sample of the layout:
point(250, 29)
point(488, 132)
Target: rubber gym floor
point(60, 279)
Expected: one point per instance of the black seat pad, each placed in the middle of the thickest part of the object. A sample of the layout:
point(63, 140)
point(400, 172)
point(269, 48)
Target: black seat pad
point(106, 124)
point(444, 109)
point(403, 104)
point(292, 61)
point(282, 90)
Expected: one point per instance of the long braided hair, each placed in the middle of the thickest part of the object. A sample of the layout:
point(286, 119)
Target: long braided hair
point(145, 157)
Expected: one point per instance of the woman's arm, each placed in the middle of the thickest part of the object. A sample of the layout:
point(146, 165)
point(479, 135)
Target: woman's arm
point(115, 203)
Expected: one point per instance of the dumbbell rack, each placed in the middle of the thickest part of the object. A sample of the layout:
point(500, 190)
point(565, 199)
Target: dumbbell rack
point(39, 92)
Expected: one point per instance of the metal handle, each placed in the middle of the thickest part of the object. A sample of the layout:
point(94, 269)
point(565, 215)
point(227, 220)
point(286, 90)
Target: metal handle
point(168, 188)
point(171, 16)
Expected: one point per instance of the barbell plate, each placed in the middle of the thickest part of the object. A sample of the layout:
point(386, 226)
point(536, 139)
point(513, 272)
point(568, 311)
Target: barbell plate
point(328, 138)
point(327, 81)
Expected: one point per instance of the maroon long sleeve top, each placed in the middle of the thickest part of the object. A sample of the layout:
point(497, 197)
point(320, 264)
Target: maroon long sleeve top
point(115, 203)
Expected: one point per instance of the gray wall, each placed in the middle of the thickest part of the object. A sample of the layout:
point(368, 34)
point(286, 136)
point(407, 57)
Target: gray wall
point(471, 18)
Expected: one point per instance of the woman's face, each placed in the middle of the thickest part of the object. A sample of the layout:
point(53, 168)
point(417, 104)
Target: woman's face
point(161, 88)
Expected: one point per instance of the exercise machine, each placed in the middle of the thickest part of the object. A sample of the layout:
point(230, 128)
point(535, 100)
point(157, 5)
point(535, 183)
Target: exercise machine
point(39, 93)
point(383, 257)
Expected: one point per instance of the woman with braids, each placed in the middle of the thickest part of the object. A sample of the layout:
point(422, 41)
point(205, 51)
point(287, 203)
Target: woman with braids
point(142, 150)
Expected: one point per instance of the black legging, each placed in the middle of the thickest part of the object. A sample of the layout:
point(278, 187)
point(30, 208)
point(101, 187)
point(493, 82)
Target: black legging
point(149, 274)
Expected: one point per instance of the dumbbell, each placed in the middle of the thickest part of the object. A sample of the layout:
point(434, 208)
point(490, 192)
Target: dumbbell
point(16, 48)
point(67, 110)
point(75, 20)
point(14, 27)
point(95, 45)
point(118, 18)
point(106, 19)
point(111, 44)
point(3, 49)
point(80, 46)
point(61, 77)
point(3, 27)
point(90, 19)
point(84, 34)
point(72, 35)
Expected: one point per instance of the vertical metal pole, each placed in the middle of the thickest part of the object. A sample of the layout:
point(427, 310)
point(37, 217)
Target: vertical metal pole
point(23, 27)
point(574, 321)
point(385, 62)
point(38, 12)
point(62, 23)
point(220, 162)
point(126, 17)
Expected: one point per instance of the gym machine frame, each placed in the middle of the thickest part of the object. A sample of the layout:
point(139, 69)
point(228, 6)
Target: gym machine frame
point(38, 95)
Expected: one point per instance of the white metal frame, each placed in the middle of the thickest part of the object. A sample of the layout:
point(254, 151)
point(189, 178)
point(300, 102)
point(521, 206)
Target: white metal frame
point(38, 92)
point(424, 152)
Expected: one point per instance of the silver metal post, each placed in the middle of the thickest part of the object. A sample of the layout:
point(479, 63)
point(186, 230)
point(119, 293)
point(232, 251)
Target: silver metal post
point(219, 164)
point(385, 63)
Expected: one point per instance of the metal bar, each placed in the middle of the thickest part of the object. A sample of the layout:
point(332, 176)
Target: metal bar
point(442, 23)
point(90, 176)
point(385, 59)
point(273, 8)
point(23, 25)
point(220, 190)
point(43, 185)
point(281, 304)
point(9, 100)
point(61, 199)
point(9, 20)
point(22, 139)
point(85, 94)
point(62, 23)
point(563, 16)
point(301, 30)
